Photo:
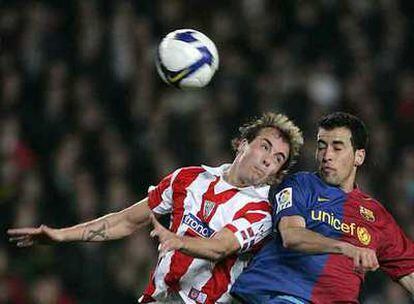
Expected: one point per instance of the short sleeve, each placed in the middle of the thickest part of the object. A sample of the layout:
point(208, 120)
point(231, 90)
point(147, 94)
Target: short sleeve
point(251, 224)
point(160, 196)
point(287, 199)
point(396, 255)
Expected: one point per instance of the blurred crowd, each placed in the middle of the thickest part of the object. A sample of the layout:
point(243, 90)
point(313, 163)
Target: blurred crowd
point(87, 125)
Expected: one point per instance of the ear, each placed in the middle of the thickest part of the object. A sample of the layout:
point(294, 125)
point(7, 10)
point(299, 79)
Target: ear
point(242, 145)
point(359, 157)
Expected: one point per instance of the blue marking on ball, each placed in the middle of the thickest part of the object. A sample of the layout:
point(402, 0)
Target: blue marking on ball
point(207, 56)
point(186, 36)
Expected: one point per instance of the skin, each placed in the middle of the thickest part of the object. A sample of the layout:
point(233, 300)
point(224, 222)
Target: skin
point(258, 160)
point(337, 159)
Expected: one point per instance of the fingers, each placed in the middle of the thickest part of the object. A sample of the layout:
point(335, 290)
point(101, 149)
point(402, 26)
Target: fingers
point(25, 243)
point(357, 262)
point(18, 238)
point(23, 231)
point(154, 221)
point(22, 241)
point(167, 246)
point(365, 260)
point(370, 262)
point(154, 233)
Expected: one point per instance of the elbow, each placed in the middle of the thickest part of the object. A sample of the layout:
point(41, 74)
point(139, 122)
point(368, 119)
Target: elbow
point(289, 241)
point(217, 256)
point(219, 253)
point(288, 244)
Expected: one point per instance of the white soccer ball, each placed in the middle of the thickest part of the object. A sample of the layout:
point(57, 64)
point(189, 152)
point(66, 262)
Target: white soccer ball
point(187, 59)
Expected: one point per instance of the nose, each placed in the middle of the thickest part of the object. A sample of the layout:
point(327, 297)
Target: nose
point(266, 161)
point(327, 155)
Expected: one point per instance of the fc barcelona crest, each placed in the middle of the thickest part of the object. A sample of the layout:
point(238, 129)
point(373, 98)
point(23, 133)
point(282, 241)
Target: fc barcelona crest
point(208, 207)
point(367, 214)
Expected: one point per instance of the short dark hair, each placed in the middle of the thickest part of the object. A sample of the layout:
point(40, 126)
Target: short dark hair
point(289, 131)
point(359, 134)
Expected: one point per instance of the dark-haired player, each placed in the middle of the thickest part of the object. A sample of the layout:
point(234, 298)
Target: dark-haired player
point(324, 212)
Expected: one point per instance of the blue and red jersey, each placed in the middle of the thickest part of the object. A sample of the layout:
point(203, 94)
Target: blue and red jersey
point(352, 217)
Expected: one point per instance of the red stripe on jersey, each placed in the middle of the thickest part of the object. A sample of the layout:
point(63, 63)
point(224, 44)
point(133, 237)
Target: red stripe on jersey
point(263, 205)
point(218, 284)
point(154, 196)
point(179, 261)
point(254, 217)
point(146, 296)
point(231, 228)
point(178, 267)
point(183, 179)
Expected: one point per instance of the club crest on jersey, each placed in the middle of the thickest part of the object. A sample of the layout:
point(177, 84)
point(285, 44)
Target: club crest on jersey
point(367, 214)
point(196, 225)
point(284, 199)
point(208, 207)
point(363, 235)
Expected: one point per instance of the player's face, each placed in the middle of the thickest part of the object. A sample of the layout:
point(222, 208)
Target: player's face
point(337, 158)
point(263, 157)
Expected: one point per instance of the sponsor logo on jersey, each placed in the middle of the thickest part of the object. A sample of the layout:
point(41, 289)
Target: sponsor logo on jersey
point(208, 207)
point(322, 199)
point(349, 228)
point(284, 199)
point(367, 214)
point(196, 225)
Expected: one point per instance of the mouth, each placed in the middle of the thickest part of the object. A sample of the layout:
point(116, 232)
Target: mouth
point(258, 170)
point(328, 170)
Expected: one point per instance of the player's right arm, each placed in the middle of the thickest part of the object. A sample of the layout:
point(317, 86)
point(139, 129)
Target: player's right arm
point(109, 227)
point(296, 236)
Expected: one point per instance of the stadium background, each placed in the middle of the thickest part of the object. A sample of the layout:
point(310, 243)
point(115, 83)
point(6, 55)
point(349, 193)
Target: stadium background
point(86, 125)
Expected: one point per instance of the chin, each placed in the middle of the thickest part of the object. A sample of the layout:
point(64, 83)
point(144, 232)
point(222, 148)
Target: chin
point(330, 180)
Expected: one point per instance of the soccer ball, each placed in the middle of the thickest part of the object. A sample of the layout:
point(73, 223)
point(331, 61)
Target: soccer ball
point(187, 59)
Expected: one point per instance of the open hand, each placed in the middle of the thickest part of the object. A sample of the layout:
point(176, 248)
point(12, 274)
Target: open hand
point(26, 237)
point(169, 241)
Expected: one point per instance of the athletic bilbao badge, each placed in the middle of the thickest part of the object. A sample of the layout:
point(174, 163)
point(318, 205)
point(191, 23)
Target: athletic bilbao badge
point(208, 207)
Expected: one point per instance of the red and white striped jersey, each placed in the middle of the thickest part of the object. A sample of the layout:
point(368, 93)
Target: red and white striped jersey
point(202, 203)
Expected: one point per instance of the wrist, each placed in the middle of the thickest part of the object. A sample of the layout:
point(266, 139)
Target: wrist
point(341, 247)
point(182, 244)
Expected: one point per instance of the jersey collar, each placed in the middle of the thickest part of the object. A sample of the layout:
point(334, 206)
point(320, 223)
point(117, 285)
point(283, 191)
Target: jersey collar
point(260, 192)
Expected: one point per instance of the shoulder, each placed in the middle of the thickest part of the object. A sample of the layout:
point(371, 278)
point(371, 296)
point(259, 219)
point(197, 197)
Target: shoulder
point(368, 204)
point(186, 173)
point(304, 180)
point(191, 170)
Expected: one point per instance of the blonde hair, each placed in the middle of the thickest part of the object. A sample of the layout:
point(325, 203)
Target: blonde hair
point(290, 132)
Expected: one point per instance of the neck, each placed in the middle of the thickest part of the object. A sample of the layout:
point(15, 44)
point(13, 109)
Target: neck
point(348, 185)
point(231, 176)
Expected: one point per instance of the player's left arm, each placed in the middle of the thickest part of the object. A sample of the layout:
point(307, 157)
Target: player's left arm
point(408, 283)
point(221, 245)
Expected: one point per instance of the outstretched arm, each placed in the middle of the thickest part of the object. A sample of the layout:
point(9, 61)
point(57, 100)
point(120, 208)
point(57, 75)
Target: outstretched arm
point(296, 236)
point(408, 283)
point(109, 227)
point(222, 244)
